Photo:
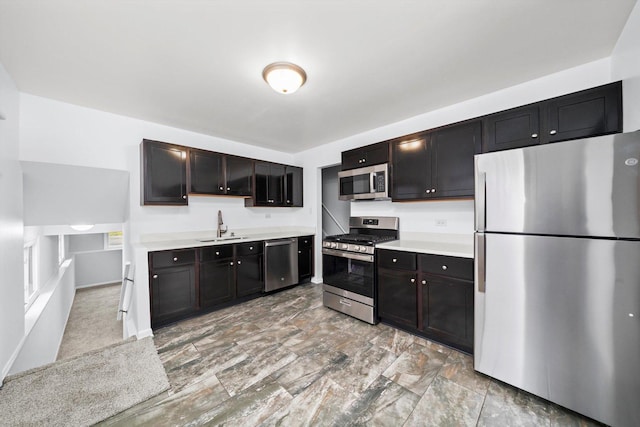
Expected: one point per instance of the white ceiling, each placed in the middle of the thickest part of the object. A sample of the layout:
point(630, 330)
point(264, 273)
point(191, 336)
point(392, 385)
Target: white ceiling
point(197, 64)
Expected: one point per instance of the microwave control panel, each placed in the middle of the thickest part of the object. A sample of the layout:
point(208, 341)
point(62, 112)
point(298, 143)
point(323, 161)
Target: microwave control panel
point(380, 184)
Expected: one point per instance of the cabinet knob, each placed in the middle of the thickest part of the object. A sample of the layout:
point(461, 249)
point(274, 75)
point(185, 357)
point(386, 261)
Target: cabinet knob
point(184, 197)
point(428, 191)
point(221, 188)
point(288, 201)
point(155, 276)
point(424, 282)
point(413, 280)
point(250, 248)
point(217, 253)
point(175, 258)
point(394, 260)
point(552, 132)
point(364, 160)
point(299, 252)
point(239, 262)
point(231, 263)
point(534, 135)
point(433, 190)
point(444, 267)
point(228, 188)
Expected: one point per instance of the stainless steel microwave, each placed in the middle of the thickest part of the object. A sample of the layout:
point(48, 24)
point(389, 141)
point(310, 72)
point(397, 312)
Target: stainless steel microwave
point(369, 183)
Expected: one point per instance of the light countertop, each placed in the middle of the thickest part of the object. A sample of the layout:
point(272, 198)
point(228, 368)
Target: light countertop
point(436, 244)
point(200, 239)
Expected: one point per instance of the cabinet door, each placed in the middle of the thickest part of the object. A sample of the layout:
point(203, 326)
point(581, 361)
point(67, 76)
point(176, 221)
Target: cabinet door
point(397, 300)
point(216, 282)
point(262, 171)
point(206, 172)
point(250, 275)
point(353, 159)
point(173, 294)
point(239, 176)
point(590, 112)
point(452, 151)
point(446, 311)
point(411, 174)
point(276, 185)
point(293, 186)
point(377, 154)
point(164, 173)
point(515, 128)
point(305, 258)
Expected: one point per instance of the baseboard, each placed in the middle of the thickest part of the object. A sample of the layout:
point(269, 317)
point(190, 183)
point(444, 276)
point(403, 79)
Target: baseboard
point(316, 280)
point(6, 368)
point(95, 285)
point(144, 333)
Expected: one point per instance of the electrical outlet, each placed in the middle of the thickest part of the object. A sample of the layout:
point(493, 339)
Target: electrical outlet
point(441, 222)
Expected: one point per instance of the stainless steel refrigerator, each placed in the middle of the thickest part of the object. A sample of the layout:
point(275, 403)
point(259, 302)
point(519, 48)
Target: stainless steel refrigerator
point(557, 297)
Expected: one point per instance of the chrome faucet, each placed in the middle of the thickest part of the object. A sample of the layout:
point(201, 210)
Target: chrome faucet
point(220, 231)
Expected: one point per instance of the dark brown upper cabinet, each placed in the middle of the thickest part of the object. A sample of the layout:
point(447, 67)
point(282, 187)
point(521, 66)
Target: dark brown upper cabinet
point(369, 155)
point(436, 165)
point(276, 185)
point(214, 173)
point(164, 173)
point(591, 112)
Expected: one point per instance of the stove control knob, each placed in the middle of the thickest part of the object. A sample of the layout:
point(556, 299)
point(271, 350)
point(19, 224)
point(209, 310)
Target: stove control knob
point(334, 245)
point(344, 246)
point(364, 249)
point(356, 247)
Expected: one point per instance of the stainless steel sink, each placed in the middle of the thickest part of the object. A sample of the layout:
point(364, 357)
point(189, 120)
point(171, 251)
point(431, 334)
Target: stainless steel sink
point(221, 239)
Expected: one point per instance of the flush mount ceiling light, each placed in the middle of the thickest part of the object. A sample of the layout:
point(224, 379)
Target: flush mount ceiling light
point(284, 77)
point(82, 227)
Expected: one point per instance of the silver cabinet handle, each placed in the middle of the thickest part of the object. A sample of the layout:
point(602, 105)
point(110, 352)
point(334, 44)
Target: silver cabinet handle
point(433, 190)
point(299, 252)
point(239, 262)
point(228, 188)
point(250, 248)
point(155, 276)
point(184, 197)
point(534, 135)
point(175, 258)
point(413, 280)
point(231, 263)
point(221, 188)
point(394, 260)
point(217, 253)
point(552, 132)
point(428, 191)
point(444, 267)
point(424, 282)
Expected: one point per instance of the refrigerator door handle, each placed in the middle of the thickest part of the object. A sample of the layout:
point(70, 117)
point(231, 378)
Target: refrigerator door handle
point(481, 196)
point(481, 262)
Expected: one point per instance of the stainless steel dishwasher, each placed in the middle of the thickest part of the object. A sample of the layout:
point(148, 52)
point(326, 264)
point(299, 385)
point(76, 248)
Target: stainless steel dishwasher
point(280, 263)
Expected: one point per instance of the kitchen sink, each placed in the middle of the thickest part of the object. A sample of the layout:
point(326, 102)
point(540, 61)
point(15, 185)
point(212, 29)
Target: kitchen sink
point(221, 239)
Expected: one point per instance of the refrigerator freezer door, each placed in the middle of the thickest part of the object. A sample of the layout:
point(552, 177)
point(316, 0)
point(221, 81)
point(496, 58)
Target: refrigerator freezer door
point(587, 187)
point(560, 318)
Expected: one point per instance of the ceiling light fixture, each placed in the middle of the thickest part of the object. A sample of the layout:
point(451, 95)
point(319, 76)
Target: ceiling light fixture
point(284, 77)
point(82, 227)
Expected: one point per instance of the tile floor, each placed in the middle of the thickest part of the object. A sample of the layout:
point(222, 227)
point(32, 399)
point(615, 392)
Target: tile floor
point(286, 360)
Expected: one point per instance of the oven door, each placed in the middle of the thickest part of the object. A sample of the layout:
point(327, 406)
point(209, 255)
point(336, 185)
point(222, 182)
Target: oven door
point(349, 271)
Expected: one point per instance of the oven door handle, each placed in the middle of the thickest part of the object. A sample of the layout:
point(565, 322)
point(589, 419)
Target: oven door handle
point(350, 255)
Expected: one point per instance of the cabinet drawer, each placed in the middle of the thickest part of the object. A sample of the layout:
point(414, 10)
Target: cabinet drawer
point(461, 268)
point(305, 242)
point(212, 253)
point(249, 248)
point(171, 258)
point(396, 260)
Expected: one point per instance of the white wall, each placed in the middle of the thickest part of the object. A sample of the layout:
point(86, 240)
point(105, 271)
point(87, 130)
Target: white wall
point(86, 242)
point(421, 216)
point(625, 65)
point(98, 268)
point(57, 132)
point(11, 237)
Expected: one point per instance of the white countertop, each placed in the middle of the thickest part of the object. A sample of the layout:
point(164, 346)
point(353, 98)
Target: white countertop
point(161, 242)
point(437, 244)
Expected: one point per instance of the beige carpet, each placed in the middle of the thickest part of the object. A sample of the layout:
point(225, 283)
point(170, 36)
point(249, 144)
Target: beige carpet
point(92, 321)
point(86, 389)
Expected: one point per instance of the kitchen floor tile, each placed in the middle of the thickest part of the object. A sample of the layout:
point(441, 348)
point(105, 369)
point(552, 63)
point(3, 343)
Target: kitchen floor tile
point(415, 368)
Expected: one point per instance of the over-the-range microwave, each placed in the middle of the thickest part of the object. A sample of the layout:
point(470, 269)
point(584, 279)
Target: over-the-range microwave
point(368, 183)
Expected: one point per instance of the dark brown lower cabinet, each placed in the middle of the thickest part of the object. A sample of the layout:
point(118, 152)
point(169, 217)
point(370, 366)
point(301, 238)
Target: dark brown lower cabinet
point(432, 298)
point(216, 282)
point(173, 293)
point(250, 275)
point(305, 258)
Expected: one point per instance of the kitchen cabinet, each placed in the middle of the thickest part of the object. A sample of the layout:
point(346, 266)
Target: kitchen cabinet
point(216, 275)
point(276, 185)
point(249, 268)
point(305, 258)
point(369, 155)
point(172, 285)
point(436, 165)
point(591, 112)
point(429, 295)
point(164, 173)
point(214, 173)
point(397, 287)
point(293, 186)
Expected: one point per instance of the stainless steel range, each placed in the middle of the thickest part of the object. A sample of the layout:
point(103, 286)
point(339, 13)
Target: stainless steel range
point(348, 266)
